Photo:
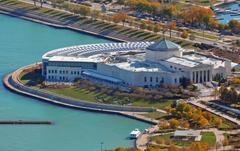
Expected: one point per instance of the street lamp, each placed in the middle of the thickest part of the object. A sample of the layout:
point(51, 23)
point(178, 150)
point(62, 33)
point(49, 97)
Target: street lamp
point(101, 146)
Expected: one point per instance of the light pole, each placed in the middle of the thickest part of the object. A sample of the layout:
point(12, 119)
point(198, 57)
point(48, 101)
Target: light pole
point(101, 146)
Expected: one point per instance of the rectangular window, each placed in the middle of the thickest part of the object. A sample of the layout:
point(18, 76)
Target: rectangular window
point(156, 79)
point(150, 79)
point(145, 79)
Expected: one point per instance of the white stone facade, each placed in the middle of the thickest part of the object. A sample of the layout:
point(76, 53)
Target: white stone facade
point(148, 65)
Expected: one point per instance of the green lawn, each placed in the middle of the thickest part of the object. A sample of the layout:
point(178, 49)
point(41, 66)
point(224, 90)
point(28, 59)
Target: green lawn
point(75, 93)
point(82, 94)
point(155, 115)
point(208, 137)
point(160, 105)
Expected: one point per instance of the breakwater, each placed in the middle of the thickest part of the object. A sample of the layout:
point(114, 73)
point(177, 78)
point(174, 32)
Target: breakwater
point(5, 122)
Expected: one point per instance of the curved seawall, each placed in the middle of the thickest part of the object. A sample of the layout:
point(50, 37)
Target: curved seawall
point(12, 82)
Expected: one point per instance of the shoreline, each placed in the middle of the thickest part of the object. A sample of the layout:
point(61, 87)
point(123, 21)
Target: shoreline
point(4, 11)
point(16, 89)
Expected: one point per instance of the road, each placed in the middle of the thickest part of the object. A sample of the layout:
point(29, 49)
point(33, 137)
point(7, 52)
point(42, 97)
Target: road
point(198, 39)
point(197, 102)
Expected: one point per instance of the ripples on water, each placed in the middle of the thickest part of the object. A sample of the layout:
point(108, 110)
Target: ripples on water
point(22, 43)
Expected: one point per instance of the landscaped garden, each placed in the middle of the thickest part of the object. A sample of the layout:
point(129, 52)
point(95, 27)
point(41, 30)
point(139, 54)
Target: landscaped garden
point(86, 90)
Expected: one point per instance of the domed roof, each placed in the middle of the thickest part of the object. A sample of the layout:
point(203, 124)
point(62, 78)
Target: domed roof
point(164, 45)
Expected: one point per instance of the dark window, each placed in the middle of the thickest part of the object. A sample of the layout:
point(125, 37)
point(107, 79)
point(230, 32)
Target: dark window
point(156, 79)
point(145, 79)
point(150, 79)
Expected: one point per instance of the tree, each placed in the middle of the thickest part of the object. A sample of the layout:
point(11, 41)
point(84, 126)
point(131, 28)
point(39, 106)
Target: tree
point(174, 123)
point(95, 14)
point(234, 26)
point(171, 26)
point(120, 17)
point(199, 146)
point(120, 149)
point(203, 122)
point(170, 11)
point(184, 34)
point(185, 124)
point(197, 15)
point(217, 121)
point(173, 147)
point(157, 28)
point(143, 25)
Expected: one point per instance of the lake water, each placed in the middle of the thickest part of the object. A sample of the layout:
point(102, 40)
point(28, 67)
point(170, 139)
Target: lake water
point(22, 43)
point(226, 17)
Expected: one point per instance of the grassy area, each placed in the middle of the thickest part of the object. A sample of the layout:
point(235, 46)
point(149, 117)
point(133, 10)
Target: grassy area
point(75, 93)
point(82, 94)
point(155, 115)
point(208, 137)
point(33, 79)
point(159, 105)
point(166, 139)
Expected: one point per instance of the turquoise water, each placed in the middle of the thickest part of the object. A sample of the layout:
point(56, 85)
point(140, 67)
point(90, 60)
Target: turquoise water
point(22, 43)
point(226, 17)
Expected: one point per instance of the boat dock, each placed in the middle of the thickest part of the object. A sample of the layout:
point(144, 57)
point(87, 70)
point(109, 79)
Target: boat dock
point(25, 122)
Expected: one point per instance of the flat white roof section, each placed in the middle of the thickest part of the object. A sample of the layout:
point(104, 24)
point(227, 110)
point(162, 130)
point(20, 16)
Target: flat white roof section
point(183, 62)
point(203, 59)
point(70, 59)
point(186, 133)
point(140, 66)
point(101, 77)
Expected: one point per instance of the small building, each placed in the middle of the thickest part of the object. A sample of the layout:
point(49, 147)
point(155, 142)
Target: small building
point(187, 135)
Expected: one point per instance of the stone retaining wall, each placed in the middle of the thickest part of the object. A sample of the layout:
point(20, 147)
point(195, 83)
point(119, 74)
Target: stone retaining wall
point(12, 80)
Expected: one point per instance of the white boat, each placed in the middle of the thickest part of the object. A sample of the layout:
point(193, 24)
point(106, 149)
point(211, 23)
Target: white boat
point(134, 134)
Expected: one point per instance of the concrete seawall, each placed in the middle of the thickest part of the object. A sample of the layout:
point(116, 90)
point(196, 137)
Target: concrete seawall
point(11, 82)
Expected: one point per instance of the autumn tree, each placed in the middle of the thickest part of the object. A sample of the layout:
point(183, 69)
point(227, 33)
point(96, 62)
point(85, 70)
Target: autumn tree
point(203, 122)
point(174, 123)
point(157, 28)
point(120, 17)
point(184, 34)
point(95, 14)
point(171, 26)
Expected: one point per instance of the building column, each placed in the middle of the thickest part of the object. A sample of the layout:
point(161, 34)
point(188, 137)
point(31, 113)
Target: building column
point(204, 76)
point(196, 77)
point(193, 77)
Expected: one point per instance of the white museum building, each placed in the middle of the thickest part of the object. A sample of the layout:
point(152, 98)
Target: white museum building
point(147, 64)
